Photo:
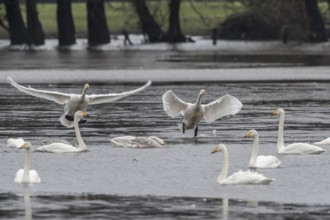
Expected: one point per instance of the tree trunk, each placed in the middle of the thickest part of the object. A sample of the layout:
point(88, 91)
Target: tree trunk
point(98, 32)
point(36, 34)
point(65, 23)
point(315, 22)
point(17, 31)
point(174, 34)
point(148, 24)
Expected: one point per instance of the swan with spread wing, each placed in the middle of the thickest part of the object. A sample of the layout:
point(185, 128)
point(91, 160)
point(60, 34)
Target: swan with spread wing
point(75, 102)
point(192, 113)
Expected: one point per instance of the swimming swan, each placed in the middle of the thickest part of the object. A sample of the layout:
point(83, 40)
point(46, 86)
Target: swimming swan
point(63, 146)
point(323, 142)
point(193, 113)
point(295, 148)
point(75, 102)
point(260, 161)
point(26, 175)
point(240, 177)
point(137, 142)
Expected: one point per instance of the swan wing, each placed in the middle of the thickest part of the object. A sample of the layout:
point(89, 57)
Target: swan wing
point(12, 142)
point(34, 177)
point(123, 141)
point(57, 148)
point(111, 97)
point(302, 148)
point(19, 176)
point(247, 177)
point(267, 162)
point(172, 105)
point(60, 98)
point(145, 142)
point(226, 105)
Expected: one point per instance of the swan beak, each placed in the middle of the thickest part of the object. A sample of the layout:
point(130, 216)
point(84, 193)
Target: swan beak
point(86, 86)
point(24, 146)
point(216, 149)
point(85, 114)
point(248, 134)
point(202, 92)
point(275, 112)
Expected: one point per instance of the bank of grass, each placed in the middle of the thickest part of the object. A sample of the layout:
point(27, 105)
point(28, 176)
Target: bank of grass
point(122, 16)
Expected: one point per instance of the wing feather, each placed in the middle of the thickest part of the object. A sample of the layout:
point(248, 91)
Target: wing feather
point(111, 97)
point(60, 98)
point(226, 105)
point(172, 105)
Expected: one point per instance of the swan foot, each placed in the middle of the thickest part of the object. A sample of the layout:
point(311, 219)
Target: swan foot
point(196, 131)
point(183, 128)
point(68, 117)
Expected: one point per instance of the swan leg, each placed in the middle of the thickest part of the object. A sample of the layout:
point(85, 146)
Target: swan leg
point(196, 131)
point(68, 117)
point(183, 128)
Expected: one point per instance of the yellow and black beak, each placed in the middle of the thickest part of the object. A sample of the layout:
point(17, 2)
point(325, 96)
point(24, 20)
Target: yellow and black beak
point(215, 150)
point(275, 112)
point(248, 134)
point(84, 114)
point(24, 146)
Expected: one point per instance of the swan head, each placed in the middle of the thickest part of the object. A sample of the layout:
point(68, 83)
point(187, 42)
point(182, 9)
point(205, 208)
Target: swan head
point(26, 145)
point(80, 114)
point(251, 133)
point(86, 86)
point(279, 111)
point(218, 148)
point(202, 92)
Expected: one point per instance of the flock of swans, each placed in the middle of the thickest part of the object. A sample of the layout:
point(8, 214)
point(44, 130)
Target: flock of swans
point(75, 106)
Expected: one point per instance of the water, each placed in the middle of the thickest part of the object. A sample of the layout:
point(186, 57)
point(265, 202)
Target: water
point(178, 181)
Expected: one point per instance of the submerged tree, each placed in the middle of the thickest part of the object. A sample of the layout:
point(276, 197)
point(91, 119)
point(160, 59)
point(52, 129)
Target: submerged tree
point(65, 23)
point(98, 32)
point(148, 24)
point(36, 34)
point(17, 30)
point(174, 33)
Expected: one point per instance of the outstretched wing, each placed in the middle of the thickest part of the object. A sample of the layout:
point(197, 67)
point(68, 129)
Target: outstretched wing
point(226, 105)
point(60, 98)
point(173, 105)
point(111, 97)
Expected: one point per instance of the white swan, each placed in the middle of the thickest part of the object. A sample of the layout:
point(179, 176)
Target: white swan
point(260, 161)
point(295, 148)
point(16, 143)
point(75, 102)
point(63, 146)
point(193, 113)
point(240, 177)
point(26, 175)
point(323, 142)
point(138, 142)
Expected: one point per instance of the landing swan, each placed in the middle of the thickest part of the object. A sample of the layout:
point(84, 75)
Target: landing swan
point(193, 113)
point(26, 175)
point(260, 161)
point(75, 102)
point(240, 177)
point(295, 148)
point(138, 142)
point(63, 146)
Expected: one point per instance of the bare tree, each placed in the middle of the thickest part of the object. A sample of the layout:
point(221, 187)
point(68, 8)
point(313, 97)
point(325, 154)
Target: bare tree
point(98, 32)
point(17, 30)
point(174, 33)
point(65, 23)
point(148, 24)
point(36, 34)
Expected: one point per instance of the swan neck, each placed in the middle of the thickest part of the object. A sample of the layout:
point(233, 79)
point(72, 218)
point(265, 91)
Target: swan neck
point(224, 170)
point(81, 143)
point(83, 94)
point(255, 151)
point(26, 173)
point(280, 139)
point(199, 99)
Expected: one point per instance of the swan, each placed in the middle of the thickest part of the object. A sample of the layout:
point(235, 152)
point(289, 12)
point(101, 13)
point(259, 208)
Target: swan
point(26, 175)
point(137, 142)
point(17, 143)
point(240, 177)
point(193, 113)
point(295, 148)
point(323, 142)
point(75, 102)
point(260, 161)
point(63, 146)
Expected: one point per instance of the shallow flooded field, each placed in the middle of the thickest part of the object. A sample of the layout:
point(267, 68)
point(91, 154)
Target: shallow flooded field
point(178, 181)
